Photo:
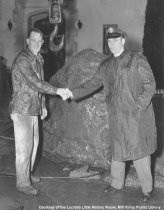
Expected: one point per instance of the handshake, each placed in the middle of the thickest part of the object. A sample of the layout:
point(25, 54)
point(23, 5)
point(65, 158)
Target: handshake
point(65, 93)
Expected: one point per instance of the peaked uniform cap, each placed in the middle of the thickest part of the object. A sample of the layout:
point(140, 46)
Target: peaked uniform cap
point(113, 32)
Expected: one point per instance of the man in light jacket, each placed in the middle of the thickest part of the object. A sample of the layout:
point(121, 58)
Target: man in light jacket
point(28, 102)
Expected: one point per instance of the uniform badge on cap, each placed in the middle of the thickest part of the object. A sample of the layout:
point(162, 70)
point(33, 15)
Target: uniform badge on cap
point(110, 30)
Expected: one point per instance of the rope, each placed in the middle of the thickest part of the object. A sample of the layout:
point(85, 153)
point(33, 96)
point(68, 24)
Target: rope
point(8, 138)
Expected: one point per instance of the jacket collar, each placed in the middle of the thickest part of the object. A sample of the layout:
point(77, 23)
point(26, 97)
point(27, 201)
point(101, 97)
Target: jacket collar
point(121, 55)
point(32, 55)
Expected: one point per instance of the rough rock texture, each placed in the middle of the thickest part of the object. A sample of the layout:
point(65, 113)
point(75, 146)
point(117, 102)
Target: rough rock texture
point(78, 130)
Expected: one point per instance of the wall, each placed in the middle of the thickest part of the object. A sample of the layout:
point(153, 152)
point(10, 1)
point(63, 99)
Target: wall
point(7, 37)
point(18, 12)
point(128, 14)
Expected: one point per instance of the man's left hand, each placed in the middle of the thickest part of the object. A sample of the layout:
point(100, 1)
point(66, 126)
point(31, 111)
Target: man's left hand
point(44, 114)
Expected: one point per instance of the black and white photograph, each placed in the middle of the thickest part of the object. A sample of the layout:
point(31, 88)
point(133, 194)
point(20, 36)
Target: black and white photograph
point(81, 105)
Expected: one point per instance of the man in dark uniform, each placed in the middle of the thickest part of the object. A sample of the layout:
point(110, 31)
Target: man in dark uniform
point(129, 87)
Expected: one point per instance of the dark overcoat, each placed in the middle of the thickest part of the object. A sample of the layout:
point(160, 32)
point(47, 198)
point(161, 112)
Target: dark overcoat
point(129, 86)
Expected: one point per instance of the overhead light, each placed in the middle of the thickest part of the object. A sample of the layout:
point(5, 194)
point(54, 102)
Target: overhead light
point(55, 14)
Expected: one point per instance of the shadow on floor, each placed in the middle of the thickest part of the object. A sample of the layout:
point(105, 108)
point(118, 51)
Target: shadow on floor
point(59, 191)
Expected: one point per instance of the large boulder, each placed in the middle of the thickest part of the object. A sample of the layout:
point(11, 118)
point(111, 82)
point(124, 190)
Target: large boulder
point(78, 130)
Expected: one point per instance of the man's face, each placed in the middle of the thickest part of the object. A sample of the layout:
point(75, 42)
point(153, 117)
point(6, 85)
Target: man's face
point(35, 42)
point(116, 44)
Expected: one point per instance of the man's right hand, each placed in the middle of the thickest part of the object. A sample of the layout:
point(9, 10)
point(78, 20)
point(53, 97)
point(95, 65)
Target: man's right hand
point(65, 93)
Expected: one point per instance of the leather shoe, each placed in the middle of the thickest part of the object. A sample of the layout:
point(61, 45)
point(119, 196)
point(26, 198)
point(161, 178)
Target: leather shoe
point(146, 196)
point(110, 189)
point(30, 190)
point(35, 178)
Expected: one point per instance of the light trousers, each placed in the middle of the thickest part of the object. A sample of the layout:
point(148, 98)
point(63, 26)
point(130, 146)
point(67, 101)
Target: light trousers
point(143, 169)
point(26, 134)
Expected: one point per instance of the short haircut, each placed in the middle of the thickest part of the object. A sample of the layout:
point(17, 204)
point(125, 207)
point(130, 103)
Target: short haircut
point(36, 30)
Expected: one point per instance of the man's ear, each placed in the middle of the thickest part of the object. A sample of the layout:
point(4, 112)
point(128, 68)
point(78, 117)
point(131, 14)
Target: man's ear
point(123, 40)
point(27, 40)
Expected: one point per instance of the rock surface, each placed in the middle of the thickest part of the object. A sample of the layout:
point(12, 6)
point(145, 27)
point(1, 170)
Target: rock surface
point(78, 130)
